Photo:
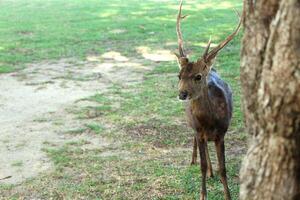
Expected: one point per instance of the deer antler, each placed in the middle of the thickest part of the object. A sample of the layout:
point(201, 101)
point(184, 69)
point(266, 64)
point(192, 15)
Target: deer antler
point(209, 55)
point(207, 48)
point(179, 34)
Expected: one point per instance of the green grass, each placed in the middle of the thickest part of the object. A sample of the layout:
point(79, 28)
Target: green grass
point(17, 164)
point(38, 30)
point(95, 127)
point(148, 122)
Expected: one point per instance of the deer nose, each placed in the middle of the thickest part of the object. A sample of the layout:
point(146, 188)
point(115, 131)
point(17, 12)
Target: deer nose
point(183, 95)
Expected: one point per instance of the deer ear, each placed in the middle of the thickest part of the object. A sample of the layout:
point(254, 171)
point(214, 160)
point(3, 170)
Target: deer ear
point(205, 64)
point(209, 64)
point(182, 61)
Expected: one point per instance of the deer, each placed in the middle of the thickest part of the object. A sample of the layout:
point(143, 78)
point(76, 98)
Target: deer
point(208, 104)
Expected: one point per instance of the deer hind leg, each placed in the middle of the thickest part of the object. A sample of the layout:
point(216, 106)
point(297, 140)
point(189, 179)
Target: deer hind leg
point(221, 159)
point(209, 173)
point(194, 155)
point(203, 164)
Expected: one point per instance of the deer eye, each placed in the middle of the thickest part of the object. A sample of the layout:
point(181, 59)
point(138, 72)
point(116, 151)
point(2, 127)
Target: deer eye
point(198, 77)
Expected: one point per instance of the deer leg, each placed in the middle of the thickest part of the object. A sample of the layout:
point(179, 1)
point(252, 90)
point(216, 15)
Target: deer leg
point(203, 163)
point(209, 173)
point(221, 159)
point(194, 155)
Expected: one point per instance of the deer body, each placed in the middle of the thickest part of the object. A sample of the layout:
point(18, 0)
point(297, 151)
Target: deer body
point(209, 115)
point(211, 112)
point(208, 107)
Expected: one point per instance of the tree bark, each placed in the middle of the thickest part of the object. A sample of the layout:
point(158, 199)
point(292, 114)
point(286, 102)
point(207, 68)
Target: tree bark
point(270, 78)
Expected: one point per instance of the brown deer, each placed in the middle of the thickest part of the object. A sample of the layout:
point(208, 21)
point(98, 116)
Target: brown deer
point(208, 104)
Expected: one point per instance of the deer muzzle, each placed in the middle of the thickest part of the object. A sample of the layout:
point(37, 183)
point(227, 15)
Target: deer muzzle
point(183, 95)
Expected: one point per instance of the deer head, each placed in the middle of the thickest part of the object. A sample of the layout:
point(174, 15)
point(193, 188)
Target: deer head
point(193, 75)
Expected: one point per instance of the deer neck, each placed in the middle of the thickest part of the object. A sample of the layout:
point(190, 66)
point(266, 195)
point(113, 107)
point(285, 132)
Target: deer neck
point(203, 102)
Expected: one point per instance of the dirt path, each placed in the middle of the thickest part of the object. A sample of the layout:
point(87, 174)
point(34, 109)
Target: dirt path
point(33, 106)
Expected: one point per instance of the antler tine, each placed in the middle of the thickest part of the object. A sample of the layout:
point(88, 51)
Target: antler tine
point(213, 52)
point(178, 30)
point(207, 48)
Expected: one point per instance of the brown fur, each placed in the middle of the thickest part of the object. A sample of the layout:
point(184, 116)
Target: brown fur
point(209, 106)
point(208, 110)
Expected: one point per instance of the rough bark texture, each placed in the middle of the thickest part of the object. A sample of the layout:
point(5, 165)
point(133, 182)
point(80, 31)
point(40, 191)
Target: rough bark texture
point(270, 76)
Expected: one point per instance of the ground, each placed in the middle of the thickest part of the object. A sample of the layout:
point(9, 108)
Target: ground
point(88, 99)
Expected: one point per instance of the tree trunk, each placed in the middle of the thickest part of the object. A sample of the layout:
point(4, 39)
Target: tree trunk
point(270, 77)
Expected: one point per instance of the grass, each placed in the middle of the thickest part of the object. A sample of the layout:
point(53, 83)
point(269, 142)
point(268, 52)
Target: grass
point(17, 164)
point(153, 142)
point(38, 30)
point(95, 127)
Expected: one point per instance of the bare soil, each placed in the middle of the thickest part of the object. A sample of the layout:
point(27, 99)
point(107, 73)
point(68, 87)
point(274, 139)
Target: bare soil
point(33, 104)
